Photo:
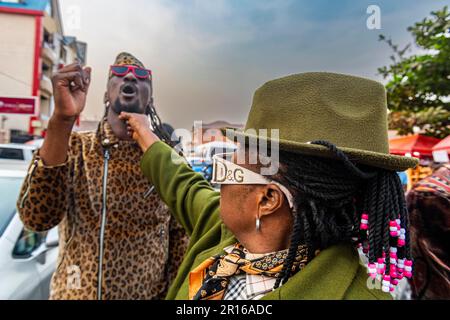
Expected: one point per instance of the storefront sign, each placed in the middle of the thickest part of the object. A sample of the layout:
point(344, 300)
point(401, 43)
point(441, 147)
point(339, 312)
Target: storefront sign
point(18, 105)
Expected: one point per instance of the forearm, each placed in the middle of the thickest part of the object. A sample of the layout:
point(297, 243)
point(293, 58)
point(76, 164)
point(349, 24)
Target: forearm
point(43, 199)
point(187, 194)
point(56, 143)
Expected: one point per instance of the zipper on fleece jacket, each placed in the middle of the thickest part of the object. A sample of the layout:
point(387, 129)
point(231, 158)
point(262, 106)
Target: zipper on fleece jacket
point(103, 223)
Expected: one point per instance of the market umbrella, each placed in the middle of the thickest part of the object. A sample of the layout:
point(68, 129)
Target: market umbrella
point(443, 145)
point(416, 145)
point(441, 150)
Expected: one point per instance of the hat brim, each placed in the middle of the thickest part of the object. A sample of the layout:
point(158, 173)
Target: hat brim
point(370, 158)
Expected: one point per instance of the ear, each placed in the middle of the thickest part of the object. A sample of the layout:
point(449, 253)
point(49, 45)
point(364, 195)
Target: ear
point(105, 98)
point(271, 199)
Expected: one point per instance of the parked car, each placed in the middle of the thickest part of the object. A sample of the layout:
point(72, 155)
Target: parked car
point(201, 165)
point(36, 143)
point(27, 258)
point(13, 156)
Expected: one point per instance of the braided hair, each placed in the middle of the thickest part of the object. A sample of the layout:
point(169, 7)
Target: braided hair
point(340, 202)
point(158, 127)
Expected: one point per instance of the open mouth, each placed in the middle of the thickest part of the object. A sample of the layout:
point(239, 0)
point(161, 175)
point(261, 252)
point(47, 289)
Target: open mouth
point(128, 90)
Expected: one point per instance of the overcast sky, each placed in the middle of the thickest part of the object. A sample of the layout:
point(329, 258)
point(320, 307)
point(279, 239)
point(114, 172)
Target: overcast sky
point(209, 56)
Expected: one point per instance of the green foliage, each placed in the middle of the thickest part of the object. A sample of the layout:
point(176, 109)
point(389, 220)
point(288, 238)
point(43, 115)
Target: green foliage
point(419, 85)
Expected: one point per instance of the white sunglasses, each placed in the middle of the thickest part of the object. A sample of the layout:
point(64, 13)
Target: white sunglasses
point(227, 172)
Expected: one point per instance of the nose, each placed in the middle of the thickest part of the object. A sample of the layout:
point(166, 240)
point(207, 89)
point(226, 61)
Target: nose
point(130, 77)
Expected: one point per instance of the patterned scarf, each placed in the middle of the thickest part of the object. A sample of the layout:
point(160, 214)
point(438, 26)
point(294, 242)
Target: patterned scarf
point(209, 281)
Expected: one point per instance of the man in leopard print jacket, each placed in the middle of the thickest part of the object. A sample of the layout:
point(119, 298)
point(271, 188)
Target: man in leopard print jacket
point(117, 238)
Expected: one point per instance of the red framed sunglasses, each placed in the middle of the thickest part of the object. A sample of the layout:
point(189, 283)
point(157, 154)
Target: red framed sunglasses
point(138, 72)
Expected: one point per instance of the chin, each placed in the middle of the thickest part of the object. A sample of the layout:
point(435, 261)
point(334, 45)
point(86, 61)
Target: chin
point(131, 107)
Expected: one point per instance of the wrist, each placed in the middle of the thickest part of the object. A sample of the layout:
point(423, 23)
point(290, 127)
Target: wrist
point(148, 140)
point(63, 119)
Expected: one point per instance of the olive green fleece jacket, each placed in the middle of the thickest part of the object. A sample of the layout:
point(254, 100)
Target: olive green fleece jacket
point(334, 274)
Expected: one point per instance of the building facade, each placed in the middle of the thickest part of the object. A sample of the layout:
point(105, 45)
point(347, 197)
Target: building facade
point(32, 48)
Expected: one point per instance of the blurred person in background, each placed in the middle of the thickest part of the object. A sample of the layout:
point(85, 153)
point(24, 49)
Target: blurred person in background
point(113, 228)
point(429, 207)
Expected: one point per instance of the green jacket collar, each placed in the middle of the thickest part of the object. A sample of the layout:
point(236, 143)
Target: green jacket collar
point(327, 276)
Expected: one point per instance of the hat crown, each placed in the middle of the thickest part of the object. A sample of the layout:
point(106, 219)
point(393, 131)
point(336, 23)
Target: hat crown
point(126, 58)
point(348, 111)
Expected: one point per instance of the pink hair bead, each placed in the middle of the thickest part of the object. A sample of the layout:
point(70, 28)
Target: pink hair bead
point(408, 269)
point(400, 269)
point(364, 221)
point(372, 270)
point(381, 267)
point(394, 282)
point(393, 271)
point(393, 255)
point(408, 265)
point(386, 283)
point(393, 228)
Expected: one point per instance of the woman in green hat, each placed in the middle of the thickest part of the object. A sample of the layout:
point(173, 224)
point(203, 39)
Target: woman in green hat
point(296, 233)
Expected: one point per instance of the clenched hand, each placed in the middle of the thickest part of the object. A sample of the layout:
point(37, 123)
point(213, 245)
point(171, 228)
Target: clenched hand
point(138, 127)
point(70, 87)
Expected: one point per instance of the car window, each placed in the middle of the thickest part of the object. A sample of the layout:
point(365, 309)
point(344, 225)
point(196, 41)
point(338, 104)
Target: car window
point(230, 150)
point(9, 190)
point(28, 242)
point(11, 154)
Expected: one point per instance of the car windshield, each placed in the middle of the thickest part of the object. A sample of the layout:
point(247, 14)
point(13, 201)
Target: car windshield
point(11, 153)
point(9, 191)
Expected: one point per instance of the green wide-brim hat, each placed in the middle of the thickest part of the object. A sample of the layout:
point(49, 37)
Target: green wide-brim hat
point(348, 111)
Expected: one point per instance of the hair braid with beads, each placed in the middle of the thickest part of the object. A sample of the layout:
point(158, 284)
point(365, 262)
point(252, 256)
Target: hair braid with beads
point(329, 199)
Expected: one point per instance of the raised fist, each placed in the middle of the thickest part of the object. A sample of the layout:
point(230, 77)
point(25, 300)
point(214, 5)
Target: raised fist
point(70, 87)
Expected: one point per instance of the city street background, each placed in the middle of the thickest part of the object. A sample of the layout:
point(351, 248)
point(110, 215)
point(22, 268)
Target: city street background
point(208, 57)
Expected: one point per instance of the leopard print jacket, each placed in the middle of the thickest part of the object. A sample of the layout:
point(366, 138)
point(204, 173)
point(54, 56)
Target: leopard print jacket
point(142, 244)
